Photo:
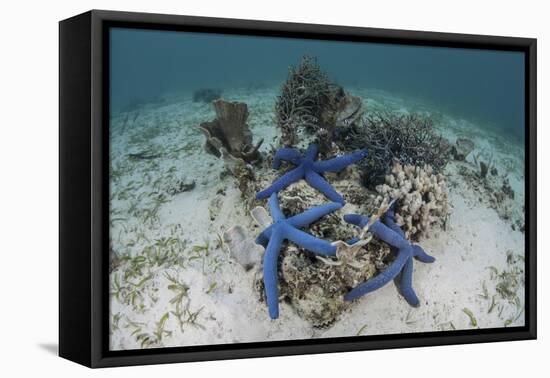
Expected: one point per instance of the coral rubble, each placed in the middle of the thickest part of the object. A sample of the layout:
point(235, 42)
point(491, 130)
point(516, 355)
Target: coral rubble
point(401, 269)
point(283, 229)
point(316, 287)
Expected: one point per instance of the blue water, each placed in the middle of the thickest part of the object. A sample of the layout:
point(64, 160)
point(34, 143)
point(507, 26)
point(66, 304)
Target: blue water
point(485, 87)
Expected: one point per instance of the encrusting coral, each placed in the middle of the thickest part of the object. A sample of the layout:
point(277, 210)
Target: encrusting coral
point(283, 229)
point(421, 197)
point(401, 269)
point(316, 288)
point(309, 169)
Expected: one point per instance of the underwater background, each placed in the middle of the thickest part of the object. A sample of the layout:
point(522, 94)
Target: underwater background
point(482, 86)
point(430, 141)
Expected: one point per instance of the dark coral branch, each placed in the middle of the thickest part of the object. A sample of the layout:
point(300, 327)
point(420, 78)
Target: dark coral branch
point(392, 137)
point(303, 97)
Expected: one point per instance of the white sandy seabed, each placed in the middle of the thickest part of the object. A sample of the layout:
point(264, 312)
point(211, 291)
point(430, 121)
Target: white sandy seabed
point(174, 284)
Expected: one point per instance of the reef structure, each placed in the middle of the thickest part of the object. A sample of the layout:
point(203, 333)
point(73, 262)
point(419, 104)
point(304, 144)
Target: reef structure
point(283, 229)
point(401, 269)
point(309, 169)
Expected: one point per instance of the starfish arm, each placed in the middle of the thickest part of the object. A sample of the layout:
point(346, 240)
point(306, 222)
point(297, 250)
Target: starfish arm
point(319, 183)
point(274, 208)
point(262, 239)
point(381, 279)
point(270, 273)
point(356, 219)
point(418, 252)
point(386, 234)
point(286, 154)
point(421, 255)
point(309, 216)
point(312, 151)
point(353, 240)
point(264, 236)
point(390, 213)
point(282, 182)
point(309, 242)
point(405, 284)
point(338, 163)
point(389, 220)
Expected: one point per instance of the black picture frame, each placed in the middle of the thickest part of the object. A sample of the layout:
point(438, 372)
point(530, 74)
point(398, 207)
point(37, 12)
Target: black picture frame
point(83, 181)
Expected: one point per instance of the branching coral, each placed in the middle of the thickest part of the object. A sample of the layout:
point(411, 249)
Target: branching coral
point(303, 97)
point(389, 137)
point(421, 197)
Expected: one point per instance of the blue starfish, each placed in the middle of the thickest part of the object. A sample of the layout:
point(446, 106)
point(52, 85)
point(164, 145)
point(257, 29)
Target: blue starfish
point(401, 269)
point(310, 170)
point(287, 228)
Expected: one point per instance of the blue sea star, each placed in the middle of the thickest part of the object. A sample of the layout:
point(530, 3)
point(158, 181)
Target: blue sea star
point(401, 269)
point(288, 229)
point(310, 170)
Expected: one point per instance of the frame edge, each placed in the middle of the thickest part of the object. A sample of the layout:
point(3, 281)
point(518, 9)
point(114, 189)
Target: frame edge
point(74, 191)
point(98, 358)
